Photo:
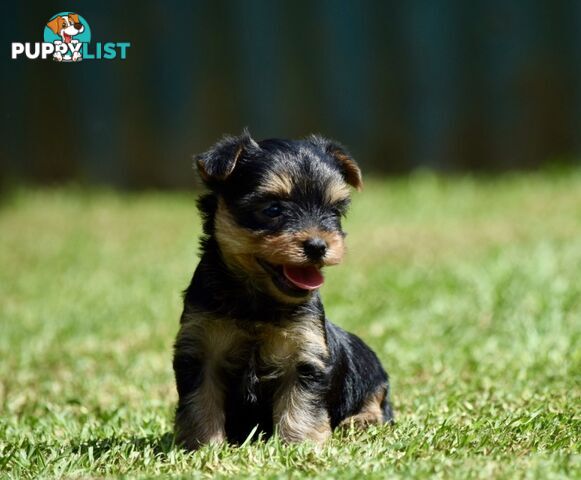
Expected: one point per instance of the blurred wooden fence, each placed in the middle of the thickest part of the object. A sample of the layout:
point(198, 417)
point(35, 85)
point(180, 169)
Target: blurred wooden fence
point(451, 84)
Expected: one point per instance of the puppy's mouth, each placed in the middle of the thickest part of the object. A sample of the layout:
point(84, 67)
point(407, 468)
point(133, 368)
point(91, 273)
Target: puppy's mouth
point(294, 280)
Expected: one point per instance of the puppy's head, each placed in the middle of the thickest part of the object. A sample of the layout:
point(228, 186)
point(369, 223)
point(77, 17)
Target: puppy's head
point(66, 26)
point(277, 217)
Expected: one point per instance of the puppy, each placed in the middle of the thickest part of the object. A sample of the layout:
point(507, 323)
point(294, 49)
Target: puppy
point(254, 346)
point(66, 27)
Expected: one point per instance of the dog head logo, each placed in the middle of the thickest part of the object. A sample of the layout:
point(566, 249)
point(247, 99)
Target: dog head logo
point(67, 31)
point(67, 38)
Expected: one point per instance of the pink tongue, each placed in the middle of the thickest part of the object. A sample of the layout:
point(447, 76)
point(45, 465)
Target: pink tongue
point(307, 278)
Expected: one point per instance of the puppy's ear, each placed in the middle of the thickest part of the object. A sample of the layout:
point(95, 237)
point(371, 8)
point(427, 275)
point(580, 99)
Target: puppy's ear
point(347, 165)
point(74, 17)
point(55, 24)
point(220, 161)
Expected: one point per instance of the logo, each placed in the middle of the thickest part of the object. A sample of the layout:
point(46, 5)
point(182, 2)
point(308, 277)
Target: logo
point(67, 38)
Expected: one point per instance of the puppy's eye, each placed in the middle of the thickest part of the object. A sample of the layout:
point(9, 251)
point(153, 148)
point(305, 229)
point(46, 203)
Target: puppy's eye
point(339, 209)
point(274, 210)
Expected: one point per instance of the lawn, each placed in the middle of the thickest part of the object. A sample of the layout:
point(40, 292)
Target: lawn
point(468, 289)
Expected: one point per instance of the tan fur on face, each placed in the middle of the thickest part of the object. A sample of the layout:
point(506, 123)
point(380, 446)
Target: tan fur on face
point(287, 248)
point(241, 245)
point(334, 240)
point(278, 184)
point(281, 249)
point(371, 412)
point(237, 243)
point(336, 191)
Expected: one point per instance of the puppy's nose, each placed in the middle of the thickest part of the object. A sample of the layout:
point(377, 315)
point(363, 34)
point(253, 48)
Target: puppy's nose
point(315, 248)
point(78, 26)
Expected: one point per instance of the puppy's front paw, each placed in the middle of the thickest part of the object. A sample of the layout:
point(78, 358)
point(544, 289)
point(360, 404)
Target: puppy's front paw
point(301, 426)
point(192, 440)
point(198, 423)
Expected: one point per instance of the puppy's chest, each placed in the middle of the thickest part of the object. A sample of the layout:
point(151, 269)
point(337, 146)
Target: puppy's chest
point(271, 350)
point(267, 349)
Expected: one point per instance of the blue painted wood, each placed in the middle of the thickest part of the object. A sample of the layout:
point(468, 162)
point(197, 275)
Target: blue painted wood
point(432, 45)
point(447, 85)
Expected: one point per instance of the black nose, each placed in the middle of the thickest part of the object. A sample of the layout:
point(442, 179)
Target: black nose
point(78, 26)
point(315, 248)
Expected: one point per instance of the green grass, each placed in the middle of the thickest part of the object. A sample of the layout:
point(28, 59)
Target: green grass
point(469, 290)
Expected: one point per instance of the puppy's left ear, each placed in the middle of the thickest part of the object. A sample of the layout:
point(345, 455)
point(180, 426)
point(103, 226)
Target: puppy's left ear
point(74, 17)
point(348, 166)
point(54, 24)
point(218, 163)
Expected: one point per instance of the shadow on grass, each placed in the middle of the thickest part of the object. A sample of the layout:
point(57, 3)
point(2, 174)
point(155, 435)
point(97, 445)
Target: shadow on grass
point(28, 456)
point(158, 444)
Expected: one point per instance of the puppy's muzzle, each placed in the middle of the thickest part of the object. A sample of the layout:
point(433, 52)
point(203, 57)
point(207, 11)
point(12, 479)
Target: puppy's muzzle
point(315, 248)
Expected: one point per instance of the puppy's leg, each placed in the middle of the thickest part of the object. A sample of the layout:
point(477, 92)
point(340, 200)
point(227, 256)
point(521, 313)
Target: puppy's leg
point(299, 409)
point(374, 410)
point(200, 414)
point(298, 352)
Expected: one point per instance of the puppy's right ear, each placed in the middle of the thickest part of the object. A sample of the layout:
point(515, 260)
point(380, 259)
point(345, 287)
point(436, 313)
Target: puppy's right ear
point(219, 162)
point(54, 24)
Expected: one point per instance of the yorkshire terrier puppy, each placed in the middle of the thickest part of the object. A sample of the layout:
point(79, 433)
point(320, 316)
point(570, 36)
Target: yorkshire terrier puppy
point(254, 346)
